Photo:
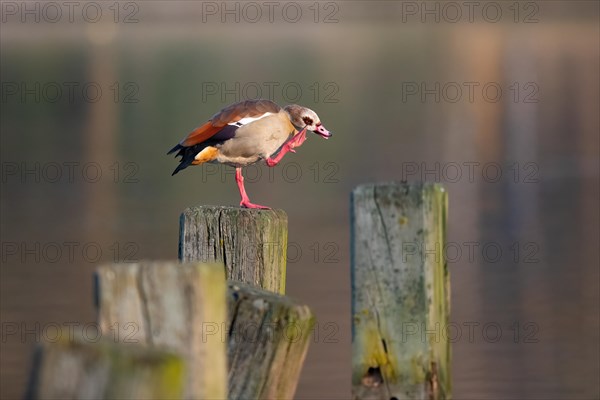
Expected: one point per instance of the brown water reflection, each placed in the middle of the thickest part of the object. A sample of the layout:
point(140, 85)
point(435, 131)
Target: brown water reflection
point(542, 213)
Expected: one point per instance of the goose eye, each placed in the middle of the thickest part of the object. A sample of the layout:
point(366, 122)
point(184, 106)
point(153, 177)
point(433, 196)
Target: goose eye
point(307, 120)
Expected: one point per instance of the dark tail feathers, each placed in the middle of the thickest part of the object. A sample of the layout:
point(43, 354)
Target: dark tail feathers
point(187, 155)
point(177, 147)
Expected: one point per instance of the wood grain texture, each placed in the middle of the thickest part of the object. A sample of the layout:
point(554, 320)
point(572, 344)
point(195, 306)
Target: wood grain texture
point(400, 292)
point(252, 244)
point(78, 370)
point(268, 338)
point(171, 305)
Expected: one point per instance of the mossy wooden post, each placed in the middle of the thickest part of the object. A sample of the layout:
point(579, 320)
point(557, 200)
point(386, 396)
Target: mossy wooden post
point(172, 305)
point(104, 370)
point(252, 244)
point(400, 292)
point(268, 337)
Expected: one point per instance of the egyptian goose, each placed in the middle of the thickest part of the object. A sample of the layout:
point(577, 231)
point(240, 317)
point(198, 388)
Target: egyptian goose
point(245, 133)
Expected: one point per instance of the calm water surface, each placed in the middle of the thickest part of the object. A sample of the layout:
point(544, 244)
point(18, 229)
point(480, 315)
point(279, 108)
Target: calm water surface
point(523, 245)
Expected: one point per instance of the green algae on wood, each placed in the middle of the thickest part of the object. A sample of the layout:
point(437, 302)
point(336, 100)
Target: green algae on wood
point(180, 306)
point(75, 369)
point(268, 338)
point(252, 244)
point(400, 292)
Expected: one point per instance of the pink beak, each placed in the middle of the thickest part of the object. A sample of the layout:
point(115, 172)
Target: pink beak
point(323, 132)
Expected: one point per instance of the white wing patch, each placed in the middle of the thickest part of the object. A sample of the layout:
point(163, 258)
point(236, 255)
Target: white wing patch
point(247, 120)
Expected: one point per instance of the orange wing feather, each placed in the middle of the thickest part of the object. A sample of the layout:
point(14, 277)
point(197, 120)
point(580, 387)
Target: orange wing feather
point(201, 134)
point(230, 114)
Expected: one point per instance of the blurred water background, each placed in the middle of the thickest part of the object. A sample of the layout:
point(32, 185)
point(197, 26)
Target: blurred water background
point(165, 67)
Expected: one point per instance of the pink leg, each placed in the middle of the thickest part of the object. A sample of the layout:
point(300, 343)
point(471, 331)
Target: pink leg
point(295, 141)
point(239, 178)
point(298, 139)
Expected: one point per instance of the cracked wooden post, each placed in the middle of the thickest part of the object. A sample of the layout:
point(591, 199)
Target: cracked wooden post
point(268, 337)
point(74, 369)
point(400, 292)
point(172, 305)
point(252, 244)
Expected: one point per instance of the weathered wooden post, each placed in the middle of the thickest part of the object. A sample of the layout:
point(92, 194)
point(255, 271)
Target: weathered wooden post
point(268, 337)
point(74, 369)
point(172, 305)
point(252, 244)
point(400, 292)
